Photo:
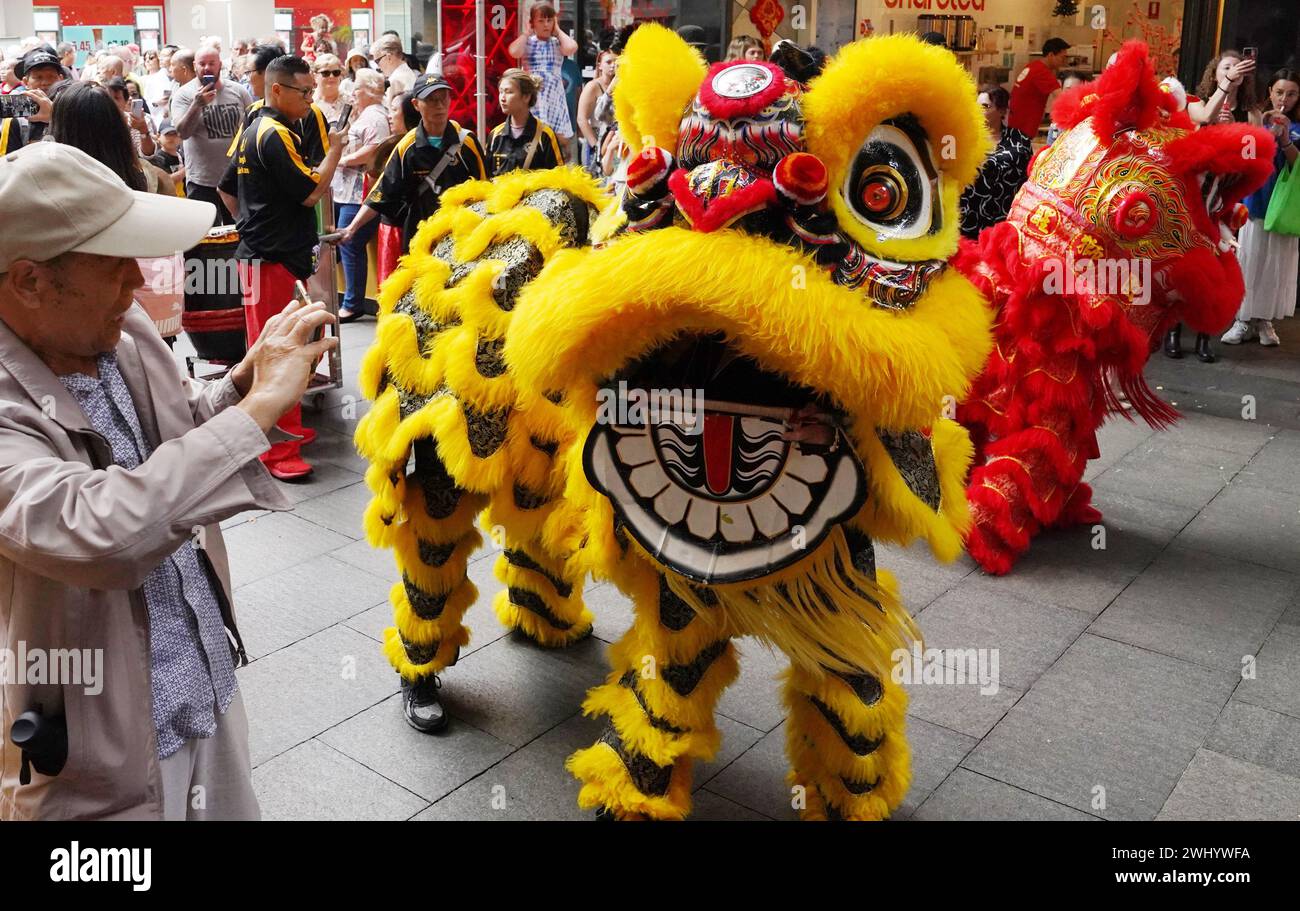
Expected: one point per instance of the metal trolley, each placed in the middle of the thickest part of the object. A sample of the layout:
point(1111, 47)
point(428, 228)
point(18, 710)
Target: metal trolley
point(321, 286)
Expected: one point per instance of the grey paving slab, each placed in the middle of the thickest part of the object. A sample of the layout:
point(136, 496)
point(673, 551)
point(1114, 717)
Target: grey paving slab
point(1274, 466)
point(921, 578)
point(339, 510)
point(1106, 715)
point(612, 609)
point(1026, 637)
point(314, 782)
point(970, 708)
point(1259, 736)
point(325, 477)
point(1276, 682)
point(1151, 474)
point(296, 693)
point(378, 561)
point(1128, 512)
point(755, 697)
point(282, 608)
point(275, 542)
point(243, 517)
point(1118, 434)
point(430, 765)
point(515, 690)
point(964, 795)
point(757, 779)
point(1250, 523)
point(710, 807)
point(1200, 431)
point(335, 447)
point(1065, 568)
point(737, 738)
point(373, 622)
point(1199, 606)
point(530, 784)
point(936, 751)
point(1220, 787)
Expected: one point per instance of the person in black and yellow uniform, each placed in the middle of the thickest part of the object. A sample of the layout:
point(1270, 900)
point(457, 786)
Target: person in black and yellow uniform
point(434, 156)
point(277, 191)
point(521, 142)
point(312, 130)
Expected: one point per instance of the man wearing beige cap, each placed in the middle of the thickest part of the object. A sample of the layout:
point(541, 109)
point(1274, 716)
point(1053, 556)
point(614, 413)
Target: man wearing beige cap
point(115, 471)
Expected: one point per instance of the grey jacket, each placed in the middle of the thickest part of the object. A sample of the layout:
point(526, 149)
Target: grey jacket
point(78, 536)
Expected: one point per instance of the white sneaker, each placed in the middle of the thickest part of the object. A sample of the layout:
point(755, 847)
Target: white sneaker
point(1241, 331)
point(1267, 334)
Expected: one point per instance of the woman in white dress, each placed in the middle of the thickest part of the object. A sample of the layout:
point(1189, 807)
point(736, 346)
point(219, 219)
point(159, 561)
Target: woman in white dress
point(1270, 262)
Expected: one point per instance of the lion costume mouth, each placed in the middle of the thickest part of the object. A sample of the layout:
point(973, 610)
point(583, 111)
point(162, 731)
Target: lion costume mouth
point(697, 469)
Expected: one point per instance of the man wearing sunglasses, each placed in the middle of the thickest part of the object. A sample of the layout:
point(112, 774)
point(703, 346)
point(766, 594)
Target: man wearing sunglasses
point(277, 191)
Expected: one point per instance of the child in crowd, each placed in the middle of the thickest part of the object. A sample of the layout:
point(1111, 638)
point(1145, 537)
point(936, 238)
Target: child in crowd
point(543, 50)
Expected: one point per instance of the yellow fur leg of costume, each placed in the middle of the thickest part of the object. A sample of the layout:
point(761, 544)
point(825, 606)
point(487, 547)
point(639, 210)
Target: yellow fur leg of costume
point(845, 736)
point(668, 673)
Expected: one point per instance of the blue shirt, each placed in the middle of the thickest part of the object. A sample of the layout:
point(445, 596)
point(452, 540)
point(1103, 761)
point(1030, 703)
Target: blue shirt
point(192, 672)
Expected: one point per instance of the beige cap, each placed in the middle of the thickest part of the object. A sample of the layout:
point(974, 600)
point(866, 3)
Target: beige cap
point(56, 199)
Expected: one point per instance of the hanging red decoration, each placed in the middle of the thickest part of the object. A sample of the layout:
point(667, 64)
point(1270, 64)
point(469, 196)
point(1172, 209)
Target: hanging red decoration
point(766, 16)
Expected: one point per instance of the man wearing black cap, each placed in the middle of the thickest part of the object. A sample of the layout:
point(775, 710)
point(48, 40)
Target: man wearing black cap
point(39, 70)
point(1034, 87)
point(437, 154)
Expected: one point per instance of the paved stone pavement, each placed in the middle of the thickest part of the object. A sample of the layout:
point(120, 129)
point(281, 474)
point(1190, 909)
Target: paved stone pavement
point(1121, 670)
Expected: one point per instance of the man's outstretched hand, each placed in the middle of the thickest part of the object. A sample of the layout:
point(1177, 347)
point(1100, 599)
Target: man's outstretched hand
point(274, 374)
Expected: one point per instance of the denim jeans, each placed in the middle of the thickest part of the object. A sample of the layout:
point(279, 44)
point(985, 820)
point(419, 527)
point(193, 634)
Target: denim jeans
point(355, 270)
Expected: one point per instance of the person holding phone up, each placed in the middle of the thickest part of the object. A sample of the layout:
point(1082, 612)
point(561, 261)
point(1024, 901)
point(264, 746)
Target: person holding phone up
point(208, 113)
point(277, 192)
point(1270, 260)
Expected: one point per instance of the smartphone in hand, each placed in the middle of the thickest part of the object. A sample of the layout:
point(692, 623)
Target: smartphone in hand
point(300, 292)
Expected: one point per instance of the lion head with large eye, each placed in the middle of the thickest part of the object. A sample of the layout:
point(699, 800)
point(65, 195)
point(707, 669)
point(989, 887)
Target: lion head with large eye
point(780, 256)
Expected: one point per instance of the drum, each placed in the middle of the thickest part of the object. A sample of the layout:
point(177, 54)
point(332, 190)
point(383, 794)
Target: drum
point(214, 298)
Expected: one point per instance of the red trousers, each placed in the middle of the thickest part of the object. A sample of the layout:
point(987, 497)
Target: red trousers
point(390, 248)
point(268, 288)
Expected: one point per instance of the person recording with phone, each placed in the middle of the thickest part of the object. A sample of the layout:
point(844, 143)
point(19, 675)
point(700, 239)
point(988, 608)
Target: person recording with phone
point(208, 112)
point(115, 472)
point(25, 112)
point(276, 194)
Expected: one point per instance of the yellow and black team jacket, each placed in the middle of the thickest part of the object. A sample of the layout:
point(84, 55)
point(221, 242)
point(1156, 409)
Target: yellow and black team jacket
point(273, 179)
point(16, 132)
point(506, 153)
point(312, 130)
point(407, 192)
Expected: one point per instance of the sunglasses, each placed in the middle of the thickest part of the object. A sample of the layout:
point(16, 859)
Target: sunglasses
point(329, 72)
point(306, 93)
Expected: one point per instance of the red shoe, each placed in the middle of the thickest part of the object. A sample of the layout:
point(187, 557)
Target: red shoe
point(291, 469)
point(308, 436)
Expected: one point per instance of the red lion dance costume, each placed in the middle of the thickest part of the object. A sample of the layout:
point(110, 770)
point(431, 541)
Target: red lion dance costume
point(1130, 185)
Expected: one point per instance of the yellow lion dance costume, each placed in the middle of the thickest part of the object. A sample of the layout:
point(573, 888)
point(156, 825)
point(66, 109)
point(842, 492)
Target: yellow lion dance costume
point(779, 262)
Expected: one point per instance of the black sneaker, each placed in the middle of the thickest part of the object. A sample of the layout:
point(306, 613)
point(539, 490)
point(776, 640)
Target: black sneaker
point(421, 705)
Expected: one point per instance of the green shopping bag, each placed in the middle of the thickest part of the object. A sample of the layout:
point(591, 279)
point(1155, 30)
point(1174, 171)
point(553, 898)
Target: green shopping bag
point(1283, 216)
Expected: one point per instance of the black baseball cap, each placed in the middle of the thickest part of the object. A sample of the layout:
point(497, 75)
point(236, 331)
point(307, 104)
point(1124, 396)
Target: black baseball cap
point(428, 83)
point(37, 57)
